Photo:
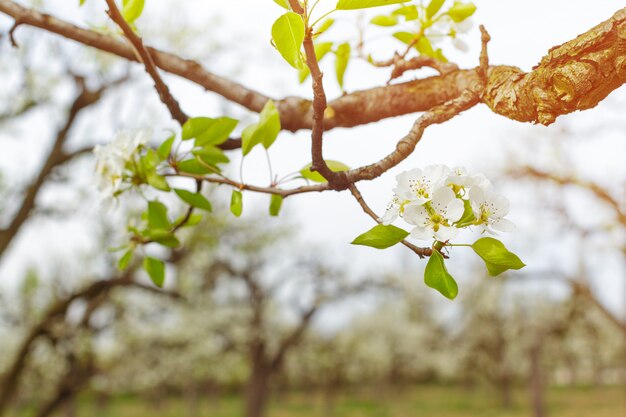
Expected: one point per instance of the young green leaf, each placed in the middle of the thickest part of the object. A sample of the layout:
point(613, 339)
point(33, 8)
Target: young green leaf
point(283, 3)
point(132, 9)
point(409, 12)
point(288, 35)
point(384, 20)
point(157, 215)
point(158, 181)
point(326, 24)
point(194, 199)
point(155, 269)
point(236, 203)
point(211, 155)
point(381, 237)
point(162, 237)
point(276, 203)
point(341, 62)
point(216, 132)
point(125, 260)
point(265, 131)
point(433, 7)
point(192, 166)
point(436, 276)
point(496, 256)
point(335, 166)
point(461, 11)
point(207, 130)
point(364, 4)
point(165, 148)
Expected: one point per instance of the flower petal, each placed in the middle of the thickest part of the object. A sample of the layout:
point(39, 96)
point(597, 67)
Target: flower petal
point(446, 233)
point(455, 210)
point(422, 233)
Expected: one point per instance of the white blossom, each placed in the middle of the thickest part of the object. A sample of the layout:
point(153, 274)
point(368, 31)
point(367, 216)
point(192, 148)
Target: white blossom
point(489, 208)
point(414, 187)
point(436, 218)
point(111, 159)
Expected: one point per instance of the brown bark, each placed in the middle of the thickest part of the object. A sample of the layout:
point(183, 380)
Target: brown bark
point(537, 381)
point(574, 76)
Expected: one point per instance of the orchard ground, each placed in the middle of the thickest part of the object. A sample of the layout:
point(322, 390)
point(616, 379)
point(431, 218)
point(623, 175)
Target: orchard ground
point(422, 401)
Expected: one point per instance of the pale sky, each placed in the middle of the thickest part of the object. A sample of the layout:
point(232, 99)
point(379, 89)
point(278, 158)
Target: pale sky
point(521, 32)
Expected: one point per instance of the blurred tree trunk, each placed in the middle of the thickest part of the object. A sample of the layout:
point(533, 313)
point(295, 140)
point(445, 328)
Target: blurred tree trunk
point(258, 390)
point(536, 380)
point(506, 390)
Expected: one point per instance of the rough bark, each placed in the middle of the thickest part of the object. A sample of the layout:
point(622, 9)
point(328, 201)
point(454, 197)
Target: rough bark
point(574, 76)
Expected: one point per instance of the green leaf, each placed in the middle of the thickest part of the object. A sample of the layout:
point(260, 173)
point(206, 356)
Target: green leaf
point(364, 4)
point(217, 132)
point(321, 49)
point(283, 3)
point(125, 260)
point(326, 24)
point(461, 11)
point(288, 35)
point(265, 131)
point(195, 126)
point(381, 237)
point(81, 2)
point(409, 12)
point(236, 203)
point(433, 7)
point(162, 237)
point(276, 203)
point(194, 199)
point(191, 166)
point(165, 148)
point(207, 130)
point(384, 20)
point(436, 276)
point(132, 9)
point(424, 47)
point(157, 215)
point(341, 62)
point(405, 37)
point(158, 181)
point(335, 166)
point(211, 155)
point(155, 269)
point(496, 256)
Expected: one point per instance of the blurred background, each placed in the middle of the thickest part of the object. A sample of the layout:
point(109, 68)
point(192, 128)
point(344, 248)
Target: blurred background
point(281, 316)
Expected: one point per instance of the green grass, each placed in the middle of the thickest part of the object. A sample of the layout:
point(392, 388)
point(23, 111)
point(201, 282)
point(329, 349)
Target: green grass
point(421, 401)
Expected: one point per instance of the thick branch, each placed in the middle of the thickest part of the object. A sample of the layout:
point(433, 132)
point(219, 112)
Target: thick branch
point(574, 76)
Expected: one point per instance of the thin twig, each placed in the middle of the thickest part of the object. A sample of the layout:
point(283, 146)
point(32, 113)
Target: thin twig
point(146, 58)
point(421, 252)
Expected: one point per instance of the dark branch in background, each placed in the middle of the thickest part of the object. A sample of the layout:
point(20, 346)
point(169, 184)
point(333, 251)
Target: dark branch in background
point(146, 59)
point(55, 158)
point(574, 76)
point(96, 290)
point(596, 189)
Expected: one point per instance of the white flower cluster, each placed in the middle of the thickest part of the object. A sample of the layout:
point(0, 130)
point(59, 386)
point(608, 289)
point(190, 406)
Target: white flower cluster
point(112, 159)
point(439, 201)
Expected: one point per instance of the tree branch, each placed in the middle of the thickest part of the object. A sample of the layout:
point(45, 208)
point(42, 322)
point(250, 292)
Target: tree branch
point(146, 58)
point(574, 76)
point(55, 158)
